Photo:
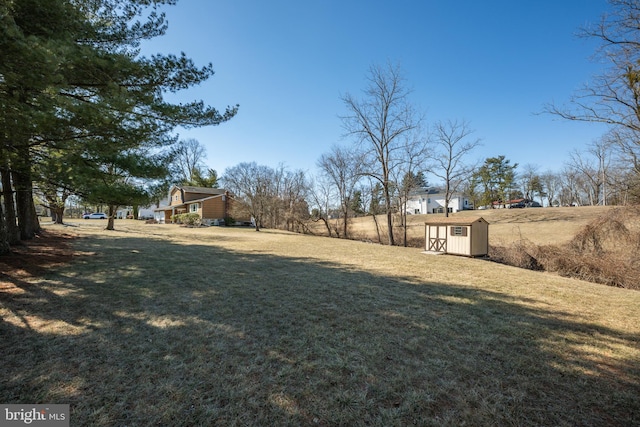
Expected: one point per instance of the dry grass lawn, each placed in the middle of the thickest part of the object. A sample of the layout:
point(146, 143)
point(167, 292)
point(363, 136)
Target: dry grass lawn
point(541, 226)
point(159, 325)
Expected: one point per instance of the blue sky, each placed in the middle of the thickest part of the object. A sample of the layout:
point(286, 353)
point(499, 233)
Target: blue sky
point(494, 63)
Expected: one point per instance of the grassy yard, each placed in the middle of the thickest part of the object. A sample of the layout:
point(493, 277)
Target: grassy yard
point(168, 326)
point(539, 225)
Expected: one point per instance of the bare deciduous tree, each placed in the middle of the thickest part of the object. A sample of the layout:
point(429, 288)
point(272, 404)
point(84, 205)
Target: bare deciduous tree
point(452, 144)
point(382, 122)
point(275, 198)
point(189, 160)
point(343, 167)
point(409, 174)
point(321, 194)
point(293, 196)
point(531, 183)
point(551, 183)
point(593, 165)
point(612, 97)
point(251, 183)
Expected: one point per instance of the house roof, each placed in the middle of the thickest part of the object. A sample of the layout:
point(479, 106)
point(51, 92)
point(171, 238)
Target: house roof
point(200, 190)
point(190, 202)
point(455, 220)
point(425, 191)
point(512, 202)
point(433, 192)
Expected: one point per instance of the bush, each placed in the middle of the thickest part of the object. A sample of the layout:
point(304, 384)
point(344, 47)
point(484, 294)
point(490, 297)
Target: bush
point(188, 219)
point(603, 251)
point(520, 254)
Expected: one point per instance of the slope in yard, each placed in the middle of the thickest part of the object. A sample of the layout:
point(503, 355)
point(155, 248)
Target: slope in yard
point(539, 225)
point(604, 250)
point(162, 325)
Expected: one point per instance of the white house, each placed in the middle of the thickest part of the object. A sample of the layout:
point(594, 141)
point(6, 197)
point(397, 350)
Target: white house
point(428, 201)
point(144, 212)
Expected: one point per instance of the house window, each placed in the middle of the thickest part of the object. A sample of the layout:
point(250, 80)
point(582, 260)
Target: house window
point(193, 208)
point(459, 231)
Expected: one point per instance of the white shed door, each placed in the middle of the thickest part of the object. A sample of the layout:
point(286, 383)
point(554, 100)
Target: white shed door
point(437, 238)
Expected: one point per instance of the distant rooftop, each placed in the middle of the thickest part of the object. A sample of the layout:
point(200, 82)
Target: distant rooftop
point(201, 190)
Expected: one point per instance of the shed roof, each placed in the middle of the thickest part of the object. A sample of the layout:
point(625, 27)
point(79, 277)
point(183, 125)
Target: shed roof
point(456, 220)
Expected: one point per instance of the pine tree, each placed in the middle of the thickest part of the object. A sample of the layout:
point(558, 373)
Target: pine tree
point(73, 86)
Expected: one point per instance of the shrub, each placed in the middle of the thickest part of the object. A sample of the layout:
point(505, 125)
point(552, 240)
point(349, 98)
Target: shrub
point(603, 251)
point(520, 254)
point(188, 219)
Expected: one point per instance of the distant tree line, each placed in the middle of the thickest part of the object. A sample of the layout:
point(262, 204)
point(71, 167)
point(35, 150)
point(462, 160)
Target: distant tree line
point(392, 146)
point(392, 154)
point(274, 198)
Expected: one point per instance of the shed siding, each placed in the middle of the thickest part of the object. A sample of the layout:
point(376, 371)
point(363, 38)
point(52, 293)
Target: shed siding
point(458, 244)
point(458, 236)
point(480, 239)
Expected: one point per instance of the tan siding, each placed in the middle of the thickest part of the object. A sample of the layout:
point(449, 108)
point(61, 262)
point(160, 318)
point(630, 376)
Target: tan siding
point(458, 245)
point(474, 243)
point(480, 239)
point(213, 208)
point(175, 194)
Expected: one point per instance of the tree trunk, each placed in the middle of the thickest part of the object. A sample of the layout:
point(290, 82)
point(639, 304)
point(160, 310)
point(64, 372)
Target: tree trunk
point(58, 211)
point(390, 226)
point(404, 227)
point(345, 223)
point(110, 220)
point(375, 221)
point(26, 212)
point(326, 224)
point(11, 226)
point(56, 207)
point(447, 198)
point(4, 241)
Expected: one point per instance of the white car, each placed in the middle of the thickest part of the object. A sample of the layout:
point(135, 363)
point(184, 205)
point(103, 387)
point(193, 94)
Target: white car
point(97, 215)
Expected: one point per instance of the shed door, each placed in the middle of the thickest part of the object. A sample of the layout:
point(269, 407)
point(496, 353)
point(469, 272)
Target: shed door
point(437, 238)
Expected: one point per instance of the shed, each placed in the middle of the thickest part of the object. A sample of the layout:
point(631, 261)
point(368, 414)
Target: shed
point(464, 235)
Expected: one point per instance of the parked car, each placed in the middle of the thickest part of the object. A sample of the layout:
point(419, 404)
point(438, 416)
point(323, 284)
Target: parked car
point(97, 215)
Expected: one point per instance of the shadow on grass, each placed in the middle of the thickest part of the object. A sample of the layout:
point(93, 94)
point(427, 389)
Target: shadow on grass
point(148, 332)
